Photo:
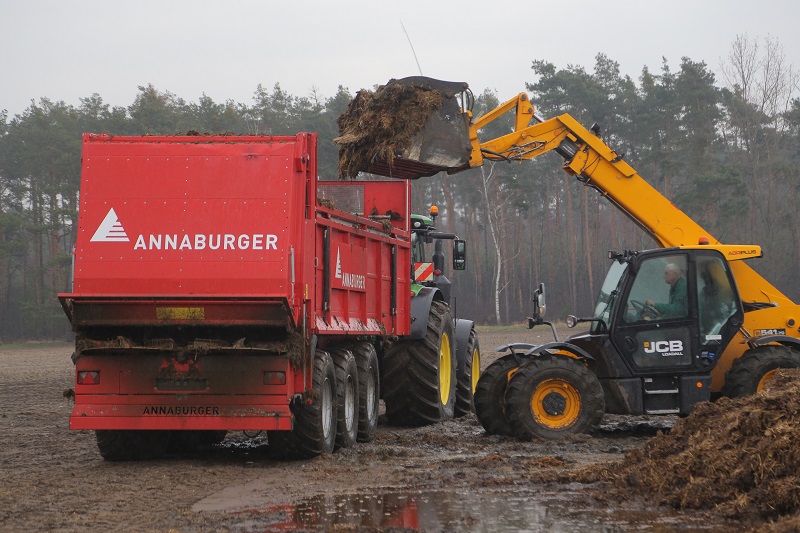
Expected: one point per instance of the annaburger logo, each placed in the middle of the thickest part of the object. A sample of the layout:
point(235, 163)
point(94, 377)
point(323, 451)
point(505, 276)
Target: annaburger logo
point(110, 229)
point(349, 281)
point(181, 410)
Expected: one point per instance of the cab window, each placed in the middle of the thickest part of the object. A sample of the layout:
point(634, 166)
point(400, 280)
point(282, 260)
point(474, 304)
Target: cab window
point(417, 249)
point(715, 296)
point(660, 290)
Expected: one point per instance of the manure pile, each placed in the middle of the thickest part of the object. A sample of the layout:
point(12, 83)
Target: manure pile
point(378, 125)
point(740, 457)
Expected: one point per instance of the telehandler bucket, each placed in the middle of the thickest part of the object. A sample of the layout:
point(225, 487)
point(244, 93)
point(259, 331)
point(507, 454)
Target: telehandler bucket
point(408, 128)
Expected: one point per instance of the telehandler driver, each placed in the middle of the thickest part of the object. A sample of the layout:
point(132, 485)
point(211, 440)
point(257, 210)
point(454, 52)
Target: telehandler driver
point(676, 306)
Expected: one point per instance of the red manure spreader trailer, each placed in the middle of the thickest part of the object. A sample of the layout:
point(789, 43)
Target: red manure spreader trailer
point(218, 285)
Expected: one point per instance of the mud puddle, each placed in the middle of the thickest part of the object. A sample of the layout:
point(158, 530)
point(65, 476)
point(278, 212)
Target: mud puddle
point(566, 510)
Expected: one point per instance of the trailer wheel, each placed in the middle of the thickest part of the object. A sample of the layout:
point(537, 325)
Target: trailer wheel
point(211, 437)
point(346, 397)
point(369, 390)
point(468, 380)
point(314, 430)
point(551, 397)
point(751, 371)
point(130, 445)
point(420, 375)
point(183, 442)
point(490, 406)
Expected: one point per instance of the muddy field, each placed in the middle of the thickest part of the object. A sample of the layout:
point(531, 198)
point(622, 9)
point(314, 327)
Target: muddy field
point(448, 477)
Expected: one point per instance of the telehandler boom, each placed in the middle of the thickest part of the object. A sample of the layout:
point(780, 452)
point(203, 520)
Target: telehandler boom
point(724, 329)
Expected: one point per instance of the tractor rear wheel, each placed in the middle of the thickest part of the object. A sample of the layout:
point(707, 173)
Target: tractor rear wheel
point(346, 397)
point(490, 407)
point(468, 380)
point(751, 371)
point(131, 445)
point(369, 390)
point(420, 375)
point(553, 396)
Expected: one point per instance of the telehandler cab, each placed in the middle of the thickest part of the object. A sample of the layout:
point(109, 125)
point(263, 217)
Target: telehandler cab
point(672, 326)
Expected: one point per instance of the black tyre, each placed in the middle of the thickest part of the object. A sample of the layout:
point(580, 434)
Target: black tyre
point(314, 431)
point(346, 397)
point(553, 396)
point(468, 380)
point(369, 390)
point(420, 375)
point(131, 445)
point(751, 371)
point(489, 399)
point(211, 437)
point(183, 442)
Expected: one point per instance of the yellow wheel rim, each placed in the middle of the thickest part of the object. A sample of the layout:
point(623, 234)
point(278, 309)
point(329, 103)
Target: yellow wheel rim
point(445, 369)
point(765, 378)
point(476, 369)
point(555, 404)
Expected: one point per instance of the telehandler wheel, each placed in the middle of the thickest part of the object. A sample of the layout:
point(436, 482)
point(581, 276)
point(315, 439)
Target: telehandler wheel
point(751, 371)
point(369, 389)
point(314, 430)
point(554, 396)
point(131, 445)
point(420, 375)
point(468, 380)
point(490, 407)
point(346, 397)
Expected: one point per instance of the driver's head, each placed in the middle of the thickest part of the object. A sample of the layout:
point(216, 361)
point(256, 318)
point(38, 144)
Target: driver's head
point(672, 273)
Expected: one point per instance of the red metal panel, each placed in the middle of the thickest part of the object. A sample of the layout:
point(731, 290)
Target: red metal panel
point(362, 256)
point(189, 215)
point(166, 312)
point(145, 391)
point(239, 419)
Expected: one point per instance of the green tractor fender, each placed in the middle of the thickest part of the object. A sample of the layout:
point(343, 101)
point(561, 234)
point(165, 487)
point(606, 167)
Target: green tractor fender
point(420, 310)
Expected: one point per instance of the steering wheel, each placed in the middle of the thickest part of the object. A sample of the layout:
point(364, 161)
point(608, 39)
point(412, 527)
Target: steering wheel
point(646, 311)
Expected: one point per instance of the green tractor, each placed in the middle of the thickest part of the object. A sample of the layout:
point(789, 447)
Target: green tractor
point(431, 374)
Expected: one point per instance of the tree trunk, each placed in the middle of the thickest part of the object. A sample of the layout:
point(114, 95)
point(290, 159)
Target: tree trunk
point(587, 239)
point(491, 219)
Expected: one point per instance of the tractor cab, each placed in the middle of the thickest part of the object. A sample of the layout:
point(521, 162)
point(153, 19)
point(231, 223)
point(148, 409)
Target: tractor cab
point(428, 270)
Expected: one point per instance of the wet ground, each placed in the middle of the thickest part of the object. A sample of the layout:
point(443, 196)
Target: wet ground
point(448, 477)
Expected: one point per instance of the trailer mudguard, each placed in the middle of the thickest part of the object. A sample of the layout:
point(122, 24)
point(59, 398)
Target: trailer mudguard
point(525, 349)
point(420, 310)
point(463, 329)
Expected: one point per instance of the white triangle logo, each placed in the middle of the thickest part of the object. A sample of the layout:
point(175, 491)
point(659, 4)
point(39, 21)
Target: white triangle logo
point(110, 229)
point(338, 264)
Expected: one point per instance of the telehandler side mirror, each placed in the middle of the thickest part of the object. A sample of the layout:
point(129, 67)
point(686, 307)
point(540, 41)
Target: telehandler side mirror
point(539, 307)
point(459, 254)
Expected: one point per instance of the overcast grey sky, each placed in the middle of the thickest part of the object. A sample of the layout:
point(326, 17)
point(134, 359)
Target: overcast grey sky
point(66, 50)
